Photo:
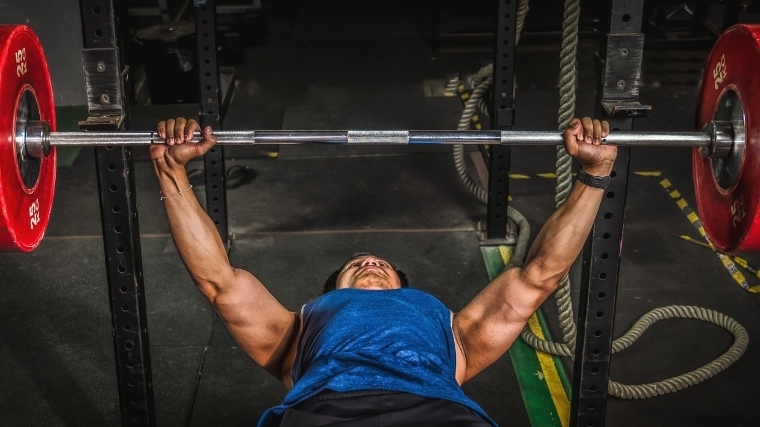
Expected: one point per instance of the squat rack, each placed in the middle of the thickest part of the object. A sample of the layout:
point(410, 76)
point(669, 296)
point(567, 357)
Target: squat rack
point(619, 65)
point(104, 31)
point(104, 28)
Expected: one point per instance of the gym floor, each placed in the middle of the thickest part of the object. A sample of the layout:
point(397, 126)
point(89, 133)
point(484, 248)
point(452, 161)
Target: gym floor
point(309, 207)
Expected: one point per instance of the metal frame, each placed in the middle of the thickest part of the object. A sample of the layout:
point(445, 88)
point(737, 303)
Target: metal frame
point(106, 77)
point(620, 66)
point(502, 118)
point(209, 114)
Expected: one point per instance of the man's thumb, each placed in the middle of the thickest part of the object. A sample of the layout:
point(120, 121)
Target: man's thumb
point(208, 135)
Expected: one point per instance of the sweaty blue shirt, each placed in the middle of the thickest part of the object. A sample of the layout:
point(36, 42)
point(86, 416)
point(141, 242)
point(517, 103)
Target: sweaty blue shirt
point(396, 340)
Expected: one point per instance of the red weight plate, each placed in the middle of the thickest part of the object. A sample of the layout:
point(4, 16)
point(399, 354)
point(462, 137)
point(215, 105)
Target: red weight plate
point(26, 184)
point(728, 190)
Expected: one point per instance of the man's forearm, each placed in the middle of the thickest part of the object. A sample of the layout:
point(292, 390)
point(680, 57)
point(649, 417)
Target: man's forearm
point(563, 235)
point(195, 236)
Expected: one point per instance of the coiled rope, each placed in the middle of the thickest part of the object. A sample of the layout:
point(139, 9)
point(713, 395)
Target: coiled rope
point(566, 319)
point(482, 83)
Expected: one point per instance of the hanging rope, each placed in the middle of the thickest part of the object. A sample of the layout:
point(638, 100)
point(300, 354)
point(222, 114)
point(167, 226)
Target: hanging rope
point(567, 81)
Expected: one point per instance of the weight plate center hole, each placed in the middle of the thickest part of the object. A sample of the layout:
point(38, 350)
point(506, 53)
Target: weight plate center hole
point(730, 109)
point(28, 166)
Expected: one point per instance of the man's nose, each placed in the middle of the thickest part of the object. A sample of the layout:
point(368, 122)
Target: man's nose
point(371, 261)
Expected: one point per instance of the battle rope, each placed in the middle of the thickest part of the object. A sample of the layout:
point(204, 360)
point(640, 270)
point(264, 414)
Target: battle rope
point(562, 296)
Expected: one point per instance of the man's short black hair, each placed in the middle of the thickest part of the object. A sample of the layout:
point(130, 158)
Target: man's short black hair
point(332, 279)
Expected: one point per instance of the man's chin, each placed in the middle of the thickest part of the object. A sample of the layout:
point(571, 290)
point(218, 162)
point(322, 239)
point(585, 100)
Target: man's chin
point(372, 283)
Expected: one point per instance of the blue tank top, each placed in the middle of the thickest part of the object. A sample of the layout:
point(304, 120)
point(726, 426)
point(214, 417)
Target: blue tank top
point(396, 340)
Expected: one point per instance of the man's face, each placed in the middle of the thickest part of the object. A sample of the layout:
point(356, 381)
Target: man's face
point(368, 272)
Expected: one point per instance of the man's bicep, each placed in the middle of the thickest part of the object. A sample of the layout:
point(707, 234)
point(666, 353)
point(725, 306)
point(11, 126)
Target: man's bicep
point(492, 321)
point(262, 327)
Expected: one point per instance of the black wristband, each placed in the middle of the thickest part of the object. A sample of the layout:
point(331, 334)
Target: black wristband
point(593, 180)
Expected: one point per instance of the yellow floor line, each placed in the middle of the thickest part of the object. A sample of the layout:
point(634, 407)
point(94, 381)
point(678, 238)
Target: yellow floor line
point(561, 402)
point(697, 223)
point(506, 253)
point(547, 175)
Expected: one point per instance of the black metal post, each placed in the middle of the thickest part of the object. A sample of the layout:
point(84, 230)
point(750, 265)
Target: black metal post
point(619, 57)
point(731, 10)
point(213, 161)
point(435, 25)
point(501, 119)
point(106, 77)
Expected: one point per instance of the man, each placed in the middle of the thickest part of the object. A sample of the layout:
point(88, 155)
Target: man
point(374, 352)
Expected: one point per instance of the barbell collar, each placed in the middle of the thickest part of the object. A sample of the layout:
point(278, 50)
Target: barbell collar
point(721, 134)
point(35, 139)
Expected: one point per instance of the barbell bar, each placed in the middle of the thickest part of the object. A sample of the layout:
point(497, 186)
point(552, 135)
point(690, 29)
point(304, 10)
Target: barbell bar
point(725, 155)
point(37, 140)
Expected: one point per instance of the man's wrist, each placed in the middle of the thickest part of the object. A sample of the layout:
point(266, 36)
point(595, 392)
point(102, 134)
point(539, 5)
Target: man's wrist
point(169, 165)
point(592, 180)
point(599, 169)
point(172, 177)
point(168, 171)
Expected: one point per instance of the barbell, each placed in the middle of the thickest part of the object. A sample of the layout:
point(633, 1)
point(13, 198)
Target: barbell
point(725, 156)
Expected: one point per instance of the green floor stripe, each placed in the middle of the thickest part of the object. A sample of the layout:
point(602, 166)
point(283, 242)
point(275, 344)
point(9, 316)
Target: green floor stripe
point(557, 360)
point(535, 393)
point(67, 120)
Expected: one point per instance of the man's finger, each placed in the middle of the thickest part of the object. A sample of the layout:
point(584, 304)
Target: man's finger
point(597, 132)
point(179, 130)
point(574, 130)
point(208, 135)
point(190, 128)
point(573, 124)
point(208, 141)
point(161, 129)
point(588, 129)
point(169, 132)
point(605, 128)
point(573, 133)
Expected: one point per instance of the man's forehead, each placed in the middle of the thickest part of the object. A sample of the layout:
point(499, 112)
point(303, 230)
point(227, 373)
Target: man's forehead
point(359, 255)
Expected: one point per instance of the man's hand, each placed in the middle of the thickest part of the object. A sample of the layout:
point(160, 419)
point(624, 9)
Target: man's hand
point(583, 141)
point(178, 149)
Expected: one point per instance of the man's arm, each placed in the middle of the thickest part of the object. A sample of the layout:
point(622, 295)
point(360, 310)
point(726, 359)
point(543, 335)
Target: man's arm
point(490, 323)
point(264, 329)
